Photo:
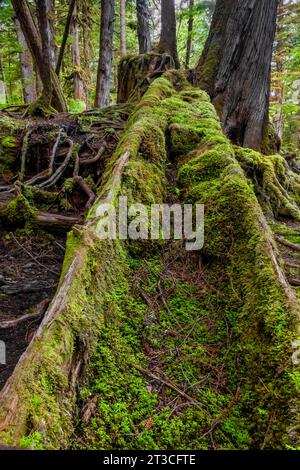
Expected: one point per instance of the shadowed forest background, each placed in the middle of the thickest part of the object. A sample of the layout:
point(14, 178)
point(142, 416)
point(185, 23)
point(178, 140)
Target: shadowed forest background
point(138, 343)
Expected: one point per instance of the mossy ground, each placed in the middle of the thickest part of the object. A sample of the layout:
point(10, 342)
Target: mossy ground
point(183, 343)
point(231, 333)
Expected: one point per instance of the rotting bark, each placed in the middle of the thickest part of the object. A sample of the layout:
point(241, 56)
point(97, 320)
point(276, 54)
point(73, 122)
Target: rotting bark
point(135, 74)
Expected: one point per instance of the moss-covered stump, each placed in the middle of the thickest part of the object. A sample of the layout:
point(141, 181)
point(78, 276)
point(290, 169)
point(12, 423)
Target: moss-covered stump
point(147, 346)
point(135, 74)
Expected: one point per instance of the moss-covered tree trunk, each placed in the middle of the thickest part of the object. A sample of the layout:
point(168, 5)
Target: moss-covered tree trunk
point(38, 43)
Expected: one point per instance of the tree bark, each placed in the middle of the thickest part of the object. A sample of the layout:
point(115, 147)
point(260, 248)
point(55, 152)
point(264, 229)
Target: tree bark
point(143, 28)
point(102, 98)
point(123, 48)
point(79, 88)
point(45, 32)
point(207, 67)
point(168, 41)
point(3, 92)
point(190, 32)
point(28, 79)
point(41, 60)
point(65, 36)
point(279, 69)
point(235, 67)
point(50, 14)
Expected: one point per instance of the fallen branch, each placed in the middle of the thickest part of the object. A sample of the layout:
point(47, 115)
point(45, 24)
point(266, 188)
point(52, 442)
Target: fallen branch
point(288, 244)
point(167, 384)
point(294, 282)
point(40, 310)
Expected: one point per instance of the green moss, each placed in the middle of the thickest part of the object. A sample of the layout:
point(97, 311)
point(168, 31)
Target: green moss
point(18, 211)
point(41, 108)
point(271, 142)
point(236, 241)
point(275, 185)
point(9, 141)
point(38, 197)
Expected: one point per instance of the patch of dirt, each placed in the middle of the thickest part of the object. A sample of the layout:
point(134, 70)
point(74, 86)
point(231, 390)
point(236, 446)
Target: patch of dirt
point(29, 274)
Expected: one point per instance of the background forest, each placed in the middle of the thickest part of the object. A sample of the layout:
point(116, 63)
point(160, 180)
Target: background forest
point(19, 82)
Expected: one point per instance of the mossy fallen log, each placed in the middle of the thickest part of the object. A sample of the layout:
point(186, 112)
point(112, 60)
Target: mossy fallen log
point(93, 329)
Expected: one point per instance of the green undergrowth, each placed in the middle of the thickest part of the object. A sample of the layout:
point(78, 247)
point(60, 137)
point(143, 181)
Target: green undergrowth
point(183, 345)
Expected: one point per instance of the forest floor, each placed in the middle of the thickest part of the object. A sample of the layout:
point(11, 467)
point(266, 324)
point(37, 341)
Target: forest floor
point(32, 252)
point(170, 320)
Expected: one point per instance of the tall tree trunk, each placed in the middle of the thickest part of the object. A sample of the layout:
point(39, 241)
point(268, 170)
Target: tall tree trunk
point(65, 36)
point(40, 55)
point(28, 79)
point(143, 28)
point(235, 67)
point(44, 27)
point(123, 48)
point(3, 93)
point(87, 53)
point(50, 14)
point(279, 69)
point(105, 55)
point(79, 89)
point(190, 33)
point(168, 40)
